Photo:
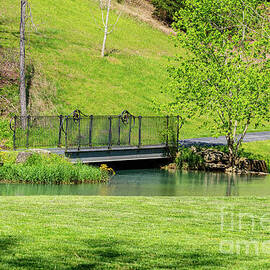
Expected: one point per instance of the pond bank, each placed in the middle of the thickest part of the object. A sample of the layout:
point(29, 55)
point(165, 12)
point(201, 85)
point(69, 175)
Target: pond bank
point(217, 159)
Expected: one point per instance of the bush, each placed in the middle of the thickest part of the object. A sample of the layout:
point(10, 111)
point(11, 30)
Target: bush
point(166, 9)
point(187, 159)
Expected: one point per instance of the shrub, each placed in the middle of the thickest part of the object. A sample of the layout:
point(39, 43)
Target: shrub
point(187, 159)
point(166, 9)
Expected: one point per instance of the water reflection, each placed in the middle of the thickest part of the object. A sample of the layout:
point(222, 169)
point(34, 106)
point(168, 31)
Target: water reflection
point(154, 182)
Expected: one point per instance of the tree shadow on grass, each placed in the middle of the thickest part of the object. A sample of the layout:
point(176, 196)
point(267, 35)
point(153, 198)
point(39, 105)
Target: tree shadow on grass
point(7, 242)
point(112, 253)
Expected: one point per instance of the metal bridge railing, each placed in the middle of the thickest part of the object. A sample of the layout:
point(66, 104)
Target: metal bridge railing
point(78, 131)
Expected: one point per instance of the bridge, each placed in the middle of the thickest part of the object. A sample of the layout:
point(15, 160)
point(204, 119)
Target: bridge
point(99, 139)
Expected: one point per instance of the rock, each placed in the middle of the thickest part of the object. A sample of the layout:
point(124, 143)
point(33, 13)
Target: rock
point(214, 156)
point(170, 167)
point(23, 157)
point(40, 151)
point(250, 165)
point(215, 166)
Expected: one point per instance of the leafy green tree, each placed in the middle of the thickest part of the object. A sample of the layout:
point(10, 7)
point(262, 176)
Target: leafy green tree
point(225, 73)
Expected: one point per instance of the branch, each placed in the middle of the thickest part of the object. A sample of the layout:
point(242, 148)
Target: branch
point(243, 134)
point(113, 25)
point(29, 15)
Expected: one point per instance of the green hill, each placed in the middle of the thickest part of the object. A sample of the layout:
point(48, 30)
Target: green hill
point(65, 54)
point(65, 70)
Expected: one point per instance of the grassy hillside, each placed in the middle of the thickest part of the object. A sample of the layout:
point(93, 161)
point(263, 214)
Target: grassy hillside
point(65, 70)
point(65, 52)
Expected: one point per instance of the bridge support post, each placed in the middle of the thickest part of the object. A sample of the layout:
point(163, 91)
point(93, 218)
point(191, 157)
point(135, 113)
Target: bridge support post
point(140, 131)
point(60, 130)
point(90, 130)
point(79, 134)
point(110, 133)
point(129, 133)
point(66, 135)
point(119, 130)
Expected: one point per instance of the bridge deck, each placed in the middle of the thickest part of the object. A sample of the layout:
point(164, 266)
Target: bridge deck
point(128, 153)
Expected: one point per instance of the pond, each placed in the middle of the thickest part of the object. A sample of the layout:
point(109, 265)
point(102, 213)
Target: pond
point(154, 182)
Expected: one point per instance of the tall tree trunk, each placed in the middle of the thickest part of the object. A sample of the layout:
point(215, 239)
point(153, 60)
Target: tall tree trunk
point(230, 144)
point(106, 28)
point(22, 60)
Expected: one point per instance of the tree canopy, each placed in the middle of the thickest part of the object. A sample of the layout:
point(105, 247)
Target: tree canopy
point(225, 73)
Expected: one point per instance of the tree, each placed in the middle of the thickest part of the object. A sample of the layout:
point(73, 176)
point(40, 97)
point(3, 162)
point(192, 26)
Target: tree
point(105, 5)
point(25, 14)
point(22, 59)
point(225, 72)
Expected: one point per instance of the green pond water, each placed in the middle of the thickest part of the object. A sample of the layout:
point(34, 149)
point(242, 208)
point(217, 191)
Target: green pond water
point(154, 182)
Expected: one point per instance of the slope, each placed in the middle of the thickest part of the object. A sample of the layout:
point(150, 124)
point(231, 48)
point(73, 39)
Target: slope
point(64, 54)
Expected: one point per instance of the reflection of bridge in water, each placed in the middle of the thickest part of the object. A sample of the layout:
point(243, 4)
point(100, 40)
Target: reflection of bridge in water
point(94, 139)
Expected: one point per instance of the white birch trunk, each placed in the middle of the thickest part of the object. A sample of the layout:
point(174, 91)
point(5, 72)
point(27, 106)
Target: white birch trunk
point(106, 29)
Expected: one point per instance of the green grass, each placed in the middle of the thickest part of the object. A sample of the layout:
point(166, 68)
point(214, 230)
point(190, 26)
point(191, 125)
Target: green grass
point(132, 233)
point(261, 148)
point(66, 49)
point(258, 150)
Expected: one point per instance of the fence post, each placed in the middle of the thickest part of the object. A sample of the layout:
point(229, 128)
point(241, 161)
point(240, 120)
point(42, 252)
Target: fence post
point(167, 130)
point(119, 130)
point(90, 130)
point(110, 133)
point(178, 131)
point(14, 132)
point(28, 131)
point(140, 131)
point(129, 133)
point(60, 130)
point(66, 135)
point(79, 135)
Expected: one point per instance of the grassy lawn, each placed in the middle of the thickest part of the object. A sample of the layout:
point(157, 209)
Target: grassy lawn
point(261, 148)
point(132, 233)
point(258, 150)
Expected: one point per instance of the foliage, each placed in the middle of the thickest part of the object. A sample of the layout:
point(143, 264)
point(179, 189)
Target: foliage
point(8, 157)
point(166, 9)
point(49, 169)
point(104, 167)
point(187, 159)
point(226, 73)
